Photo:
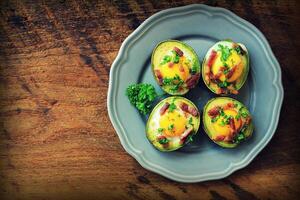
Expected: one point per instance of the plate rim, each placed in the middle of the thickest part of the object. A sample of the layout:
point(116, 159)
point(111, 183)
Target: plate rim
point(121, 56)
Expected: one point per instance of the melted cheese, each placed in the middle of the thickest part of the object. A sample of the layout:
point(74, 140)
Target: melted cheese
point(170, 72)
point(173, 118)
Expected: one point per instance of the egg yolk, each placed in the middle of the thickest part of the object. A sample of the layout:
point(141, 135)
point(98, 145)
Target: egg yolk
point(233, 60)
point(181, 69)
point(226, 129)
point(173, 123)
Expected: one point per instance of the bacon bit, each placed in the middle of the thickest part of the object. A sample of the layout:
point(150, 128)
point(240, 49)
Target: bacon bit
point(234, 45)
point(228, 106)
point(207, 79)
point(222, 68)
point(188, 109)
point(248, 120)
point(215, 78)
point(231, 72)
point(159, 76)
point(181, 68)
point(229, 138)
point(193, 111)
point(184, 107)
point(192, 80)
point(178, 51)
point(232, 125)
point(162, 137)
point(239, 128)
point(214, 81)
point(222, 91)
point(219, 138)
point(212, 58)
point(175, 82)
point(214, 112)
point(218, 75)
point(164, 108)
point(234, 91)
point(186, 114)
point(185, 134)
point(170, 65)
point(219, 91)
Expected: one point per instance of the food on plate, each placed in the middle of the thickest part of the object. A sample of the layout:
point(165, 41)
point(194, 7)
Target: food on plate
point(227, 121)
point(225, 67)
point(141, 96)
point(175, 66)
point(172, 123)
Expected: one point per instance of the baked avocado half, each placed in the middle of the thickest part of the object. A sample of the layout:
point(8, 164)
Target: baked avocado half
point(227, 121)
point(225, 67)
point(172, 123)
point(175, 66)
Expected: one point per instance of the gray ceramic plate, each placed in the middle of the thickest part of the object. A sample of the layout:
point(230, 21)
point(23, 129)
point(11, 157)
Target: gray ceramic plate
point(200, 26)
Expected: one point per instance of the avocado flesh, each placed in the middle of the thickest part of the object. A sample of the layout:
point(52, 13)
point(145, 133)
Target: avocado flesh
point(239, 82)
point(189, 61)
point(208, 125)
point(154, 122)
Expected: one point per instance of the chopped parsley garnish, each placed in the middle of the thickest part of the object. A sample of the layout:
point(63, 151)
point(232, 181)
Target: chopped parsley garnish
point(225, 52)
point(239, 50)
point(166, 59)
point(225, 120)
point(172, 107)
point(222, 123)
point(167, 81)
point(190, 138)
point(239, 138)
point(194, 69)
point(171, 127)
point(191, 121)
point(223, 84)
point(160, 130)
point(141, 96)
point(226, 71)
point(213, 120)
point(164, 141)
point(241, 135)
point(244, 114)
point(238, 116)
point(221, 111)
point(244, 129)
point(175, 57)
point(175, 83)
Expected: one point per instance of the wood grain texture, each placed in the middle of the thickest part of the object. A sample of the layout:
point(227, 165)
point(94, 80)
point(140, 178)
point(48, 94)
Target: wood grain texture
point(56, 140)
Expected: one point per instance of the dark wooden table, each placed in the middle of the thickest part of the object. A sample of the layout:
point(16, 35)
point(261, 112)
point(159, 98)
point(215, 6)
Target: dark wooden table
point(56, 140)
